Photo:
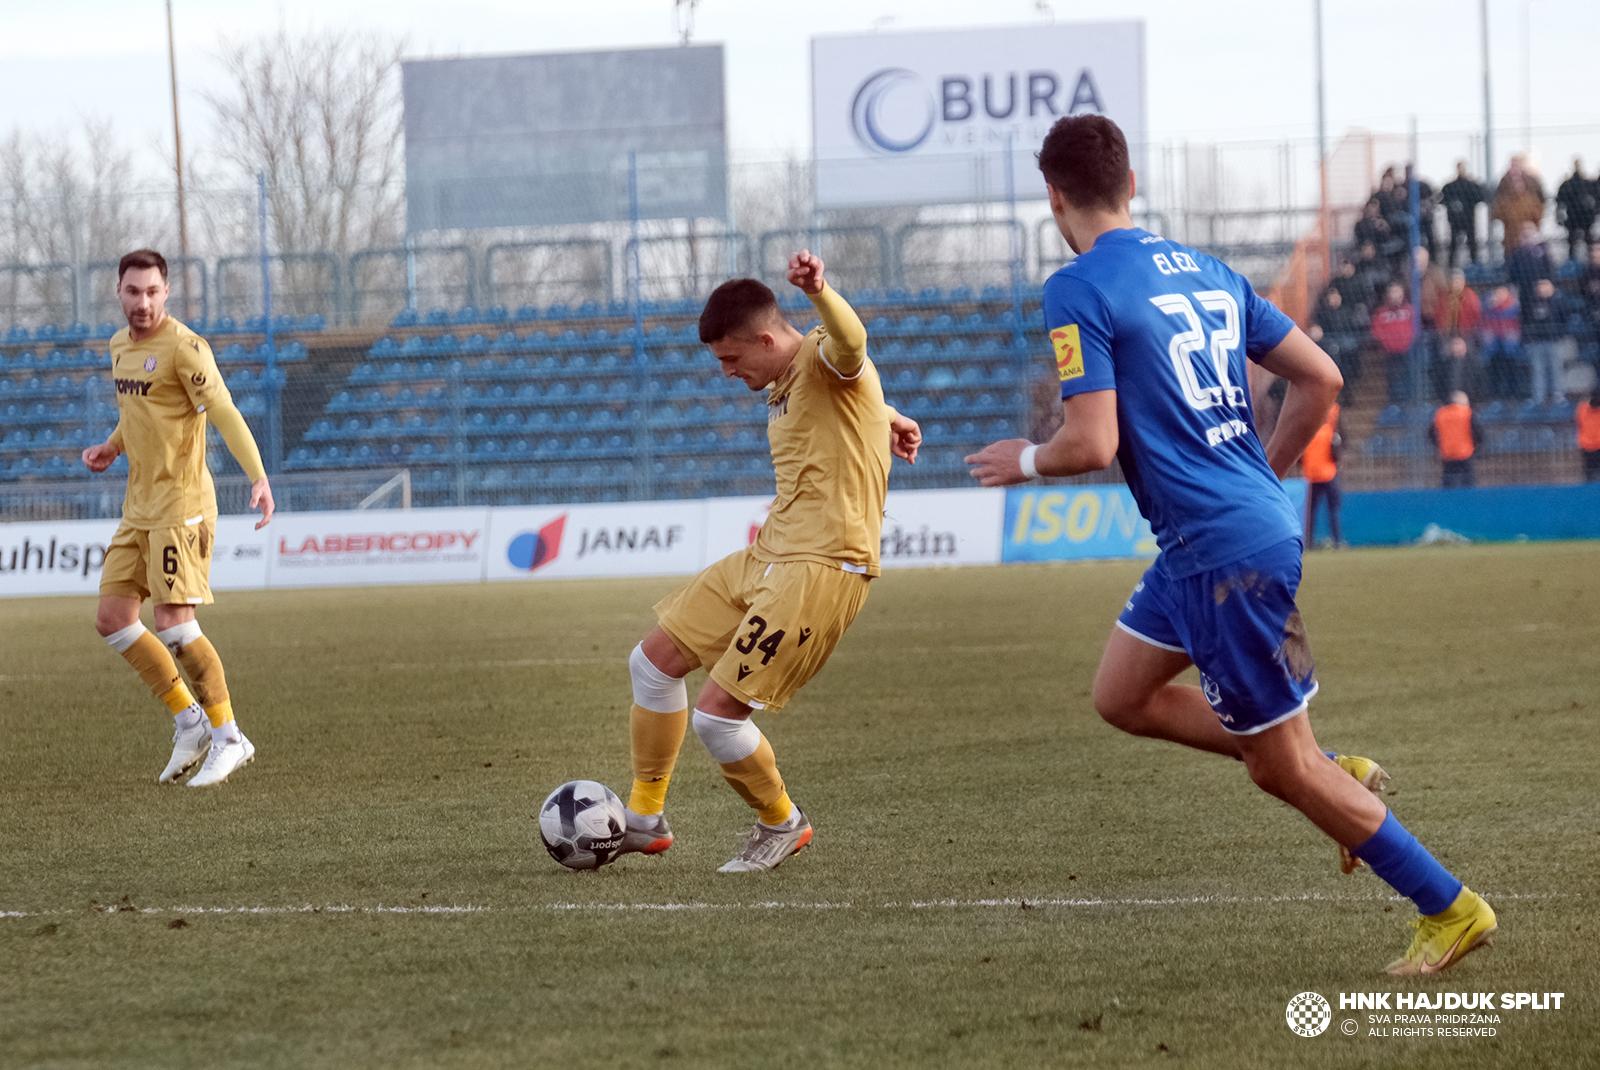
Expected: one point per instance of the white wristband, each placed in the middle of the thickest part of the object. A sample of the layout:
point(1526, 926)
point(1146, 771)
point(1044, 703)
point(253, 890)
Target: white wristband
point(1029, 469)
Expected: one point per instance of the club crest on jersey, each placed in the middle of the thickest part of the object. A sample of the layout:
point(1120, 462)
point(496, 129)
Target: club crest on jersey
point(1069, 354)
point(149, 364)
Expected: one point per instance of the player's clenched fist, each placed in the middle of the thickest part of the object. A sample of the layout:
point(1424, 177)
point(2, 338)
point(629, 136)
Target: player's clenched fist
point(805, 271)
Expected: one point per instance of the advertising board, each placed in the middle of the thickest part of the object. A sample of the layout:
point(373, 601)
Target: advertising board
point(932, 117)
point(572, 541)
point(375, 548)
point(545, 140)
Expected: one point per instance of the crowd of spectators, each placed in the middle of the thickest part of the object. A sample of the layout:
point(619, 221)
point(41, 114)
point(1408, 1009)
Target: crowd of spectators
point(1525, 328)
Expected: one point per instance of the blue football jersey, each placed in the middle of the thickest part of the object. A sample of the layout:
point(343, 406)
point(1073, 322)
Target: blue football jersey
point(1168, 329)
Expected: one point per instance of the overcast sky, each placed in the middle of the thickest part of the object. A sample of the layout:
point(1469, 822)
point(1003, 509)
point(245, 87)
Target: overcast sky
point(1219, 70)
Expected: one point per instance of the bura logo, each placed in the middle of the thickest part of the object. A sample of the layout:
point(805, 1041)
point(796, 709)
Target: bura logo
point(896, 110)
point(532, 550)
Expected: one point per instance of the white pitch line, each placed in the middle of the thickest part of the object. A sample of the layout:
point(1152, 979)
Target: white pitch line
point(1016, 903)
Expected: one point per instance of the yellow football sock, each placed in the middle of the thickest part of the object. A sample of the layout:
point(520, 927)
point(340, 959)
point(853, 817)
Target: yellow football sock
point(757, 781)
point(656, 740)
point(204, 667)
point(155, 667)
point(178, 698)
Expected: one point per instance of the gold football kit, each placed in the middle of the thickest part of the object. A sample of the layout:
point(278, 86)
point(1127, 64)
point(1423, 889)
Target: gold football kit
point(168, 388)
point(764, 620)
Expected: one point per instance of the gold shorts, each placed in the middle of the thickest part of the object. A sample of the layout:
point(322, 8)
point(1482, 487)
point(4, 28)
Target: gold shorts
point(171, 566)
point(762, 629)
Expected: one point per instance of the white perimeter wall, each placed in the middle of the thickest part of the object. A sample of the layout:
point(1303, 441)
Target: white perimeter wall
point(921, 528)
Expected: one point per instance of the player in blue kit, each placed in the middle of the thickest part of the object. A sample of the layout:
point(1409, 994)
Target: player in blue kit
point(1150, 339)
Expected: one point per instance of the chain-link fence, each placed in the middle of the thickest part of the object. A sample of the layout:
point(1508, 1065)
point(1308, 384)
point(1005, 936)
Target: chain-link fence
point(562, 364)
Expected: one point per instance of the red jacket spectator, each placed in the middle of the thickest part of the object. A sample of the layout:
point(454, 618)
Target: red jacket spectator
point(1392, 326)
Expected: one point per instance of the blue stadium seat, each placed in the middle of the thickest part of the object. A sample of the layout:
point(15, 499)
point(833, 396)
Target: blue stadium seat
point(971, 375)
point(910, 325)
point(526, 314)
point(446, 345)
point(938, 378)
point(299, 457)
point(415, 346)
point(588, 310)
point(436, 317)
point(475, 343)
point(925, 351)
point(406, 317)
point(24, 360)
point(507, 342)
point(466, 314)
point(537, 340)
point(1393, 416)
point(1529, 412)
point(1560, 411)
point(17, 333)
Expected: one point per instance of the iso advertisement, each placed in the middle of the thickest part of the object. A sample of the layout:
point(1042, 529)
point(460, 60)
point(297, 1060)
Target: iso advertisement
point(925, 118)
point(1073, 524)
point(1086, 523)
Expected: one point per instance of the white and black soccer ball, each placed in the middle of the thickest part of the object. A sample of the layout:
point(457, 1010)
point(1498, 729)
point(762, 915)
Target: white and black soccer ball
point(582, 824)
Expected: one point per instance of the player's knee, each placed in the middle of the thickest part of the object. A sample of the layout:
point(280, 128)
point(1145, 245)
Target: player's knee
point(1277, 774)
point(654, 689)
point(1117, 707)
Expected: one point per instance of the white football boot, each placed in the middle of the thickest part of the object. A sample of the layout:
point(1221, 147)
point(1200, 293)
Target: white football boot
point(223, 760)
point(768, 846)
point(189, 745)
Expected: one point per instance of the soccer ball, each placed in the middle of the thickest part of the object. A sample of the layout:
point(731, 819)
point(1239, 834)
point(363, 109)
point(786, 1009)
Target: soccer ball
point(582, 824)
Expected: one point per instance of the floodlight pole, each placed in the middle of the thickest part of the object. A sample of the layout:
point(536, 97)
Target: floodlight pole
point(274, 412)
point(177, 159)
point(1488, 111)
point(1322, 149)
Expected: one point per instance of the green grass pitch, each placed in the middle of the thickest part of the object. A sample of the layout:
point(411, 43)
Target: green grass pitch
point(998, 880)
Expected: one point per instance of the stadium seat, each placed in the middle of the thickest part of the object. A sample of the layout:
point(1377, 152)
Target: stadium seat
point(446, 345)
point(1393, 416)
point(938, 378)
point(475, 343)
point(1529, 412)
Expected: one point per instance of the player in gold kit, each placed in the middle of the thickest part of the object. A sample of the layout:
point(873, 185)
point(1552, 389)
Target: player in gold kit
point(764, 620)
point(168, 388)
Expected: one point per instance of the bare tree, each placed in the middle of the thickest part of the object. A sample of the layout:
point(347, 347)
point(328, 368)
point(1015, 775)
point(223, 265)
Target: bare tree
point(63, 209)
point(320, 115)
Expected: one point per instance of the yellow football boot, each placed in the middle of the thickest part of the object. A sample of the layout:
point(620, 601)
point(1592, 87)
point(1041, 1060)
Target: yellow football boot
point(1373, 778)
point(1445, 938)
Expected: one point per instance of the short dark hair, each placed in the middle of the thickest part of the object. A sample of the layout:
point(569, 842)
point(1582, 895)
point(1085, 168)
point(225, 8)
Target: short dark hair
point(1085, 158)
point(142, 258)
point(734, 306)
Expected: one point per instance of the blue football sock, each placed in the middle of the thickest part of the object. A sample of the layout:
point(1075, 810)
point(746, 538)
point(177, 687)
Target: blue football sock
point(1396, 856)
point(1332, 755)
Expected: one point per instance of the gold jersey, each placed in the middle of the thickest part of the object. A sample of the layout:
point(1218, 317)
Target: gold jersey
point(830, 446)
point(165, 385)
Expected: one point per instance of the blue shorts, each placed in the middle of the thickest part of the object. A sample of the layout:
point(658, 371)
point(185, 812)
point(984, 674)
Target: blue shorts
point(1240, 627)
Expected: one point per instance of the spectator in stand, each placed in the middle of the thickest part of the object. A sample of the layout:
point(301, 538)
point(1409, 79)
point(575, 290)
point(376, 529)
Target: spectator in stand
point(1589, 436)
point(1461, 197)
point(1434, 288)
point(1373, 274)
point(1458, 310)
point(1518, 199)
point(1394, 330)
point(1576, 207)
point(1502, 343)
point(1457, 433)
point(1544, 327)
point(1529, 263)
point(1458, 371)
point(1372, 228)
point(1341, 331)
point(1320, 465)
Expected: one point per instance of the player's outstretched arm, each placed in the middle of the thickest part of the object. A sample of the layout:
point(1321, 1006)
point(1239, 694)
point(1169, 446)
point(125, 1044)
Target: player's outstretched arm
point(242, 444)
point(846, 347)
point(1086, 442)
point(1314, 383)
